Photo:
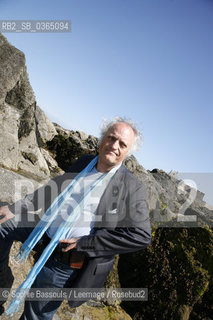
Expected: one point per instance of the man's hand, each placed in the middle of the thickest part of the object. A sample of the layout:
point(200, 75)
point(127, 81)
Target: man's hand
point(5, 214)
point(72, 243)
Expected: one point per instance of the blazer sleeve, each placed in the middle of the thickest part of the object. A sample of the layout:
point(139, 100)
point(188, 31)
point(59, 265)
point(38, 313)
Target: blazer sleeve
point(108, 241)
point(41, 199)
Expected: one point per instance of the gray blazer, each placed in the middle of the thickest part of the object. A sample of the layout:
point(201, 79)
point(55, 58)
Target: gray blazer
point(123, 225)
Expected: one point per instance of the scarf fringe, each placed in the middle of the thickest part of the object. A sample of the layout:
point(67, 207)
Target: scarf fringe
point(17, 301)
point(42, 226)
point(22, 255)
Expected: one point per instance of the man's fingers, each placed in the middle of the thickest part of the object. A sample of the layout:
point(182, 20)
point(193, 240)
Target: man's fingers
point(6, 218)
point(72, 243)
point(6, 213)
point(68, 240)
point(71, 240)
point(71, 246)
point(3, 220)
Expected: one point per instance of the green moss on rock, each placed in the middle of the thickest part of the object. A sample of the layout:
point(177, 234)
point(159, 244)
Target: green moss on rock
point(176, 268)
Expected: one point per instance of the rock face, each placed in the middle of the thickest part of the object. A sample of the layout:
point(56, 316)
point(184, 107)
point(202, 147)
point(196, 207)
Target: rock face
point(176, 268)
point(67, 146)
point(24, 128)
point(15, 186)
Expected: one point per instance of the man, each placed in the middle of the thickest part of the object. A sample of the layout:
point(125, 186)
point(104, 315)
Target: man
point(118, 221)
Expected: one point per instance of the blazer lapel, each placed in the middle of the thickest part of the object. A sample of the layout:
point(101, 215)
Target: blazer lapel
point(111, 205)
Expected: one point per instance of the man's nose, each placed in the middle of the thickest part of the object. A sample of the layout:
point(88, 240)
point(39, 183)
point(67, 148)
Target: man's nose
point(115, 144)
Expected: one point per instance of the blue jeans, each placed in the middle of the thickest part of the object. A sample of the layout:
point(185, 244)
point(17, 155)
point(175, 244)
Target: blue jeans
point(53, 275)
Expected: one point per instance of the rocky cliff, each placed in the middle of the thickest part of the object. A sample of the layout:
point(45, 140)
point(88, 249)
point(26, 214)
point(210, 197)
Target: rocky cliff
point(176, 268)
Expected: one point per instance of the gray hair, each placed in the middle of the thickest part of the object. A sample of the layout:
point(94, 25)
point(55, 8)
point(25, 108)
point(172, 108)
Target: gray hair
point(137, 138)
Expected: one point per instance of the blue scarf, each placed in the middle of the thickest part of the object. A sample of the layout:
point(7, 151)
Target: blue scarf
point(61, 232)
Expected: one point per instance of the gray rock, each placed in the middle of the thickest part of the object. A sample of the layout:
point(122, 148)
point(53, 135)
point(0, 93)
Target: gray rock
point(24, 128)
point(83, 136)
point(32, 150)
point(12, 62)
point(14, 186)
point(46, 129)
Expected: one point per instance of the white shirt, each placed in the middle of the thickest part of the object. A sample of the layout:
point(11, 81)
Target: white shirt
point(86, 220)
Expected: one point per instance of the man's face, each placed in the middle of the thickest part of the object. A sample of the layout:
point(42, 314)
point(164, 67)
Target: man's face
point(115, 145)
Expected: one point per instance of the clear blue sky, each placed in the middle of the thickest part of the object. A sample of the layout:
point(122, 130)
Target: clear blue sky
point(150, 60)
